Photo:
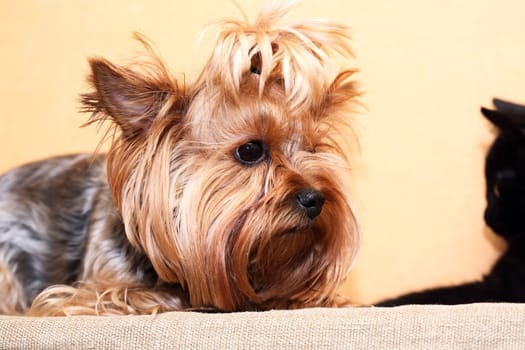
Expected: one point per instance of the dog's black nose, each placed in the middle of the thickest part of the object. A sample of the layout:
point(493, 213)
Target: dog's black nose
point(311, 201)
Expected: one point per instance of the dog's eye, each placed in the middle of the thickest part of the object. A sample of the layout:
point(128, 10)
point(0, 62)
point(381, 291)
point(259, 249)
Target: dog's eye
point(251, 153)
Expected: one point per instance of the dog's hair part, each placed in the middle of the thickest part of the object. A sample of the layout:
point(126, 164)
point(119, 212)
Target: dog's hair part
point(226, 192)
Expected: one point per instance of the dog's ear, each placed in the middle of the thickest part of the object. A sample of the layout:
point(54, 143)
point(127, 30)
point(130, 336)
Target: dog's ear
point(342, 91)
point(130, 99)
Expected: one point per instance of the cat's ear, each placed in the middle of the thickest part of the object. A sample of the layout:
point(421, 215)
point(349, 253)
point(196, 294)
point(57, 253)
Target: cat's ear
point(509, 107)
point(507, 115)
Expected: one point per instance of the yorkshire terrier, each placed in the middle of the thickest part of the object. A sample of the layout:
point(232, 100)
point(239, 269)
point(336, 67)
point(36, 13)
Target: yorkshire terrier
point(225, 193)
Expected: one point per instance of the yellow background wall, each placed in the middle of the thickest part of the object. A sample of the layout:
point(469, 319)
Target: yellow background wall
point(426, 67)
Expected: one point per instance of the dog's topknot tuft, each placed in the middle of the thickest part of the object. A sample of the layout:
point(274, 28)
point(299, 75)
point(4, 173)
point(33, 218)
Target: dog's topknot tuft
point(299, 55)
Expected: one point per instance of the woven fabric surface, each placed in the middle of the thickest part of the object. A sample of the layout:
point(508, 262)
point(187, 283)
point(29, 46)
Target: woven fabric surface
point(475, 326)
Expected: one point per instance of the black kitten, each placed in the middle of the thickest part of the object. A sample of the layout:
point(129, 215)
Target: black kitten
point(505, 214)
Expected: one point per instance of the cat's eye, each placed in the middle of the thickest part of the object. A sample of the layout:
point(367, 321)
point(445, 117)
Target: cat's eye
point(496, 191)
point(251, 153)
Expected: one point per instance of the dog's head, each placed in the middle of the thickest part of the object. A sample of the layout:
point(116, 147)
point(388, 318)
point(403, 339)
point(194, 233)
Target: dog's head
point(505, 170)
point(232, 184)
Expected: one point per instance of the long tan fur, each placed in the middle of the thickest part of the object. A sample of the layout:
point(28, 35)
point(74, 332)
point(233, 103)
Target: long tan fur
point(219, 234)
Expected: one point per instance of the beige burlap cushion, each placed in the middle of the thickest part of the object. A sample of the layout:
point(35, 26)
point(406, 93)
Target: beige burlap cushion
point(476, 326)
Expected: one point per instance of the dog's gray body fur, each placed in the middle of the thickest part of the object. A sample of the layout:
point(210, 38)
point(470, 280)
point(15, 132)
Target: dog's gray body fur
point(51, 213)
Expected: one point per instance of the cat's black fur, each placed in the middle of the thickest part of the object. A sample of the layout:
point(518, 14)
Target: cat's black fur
point(505, 214)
